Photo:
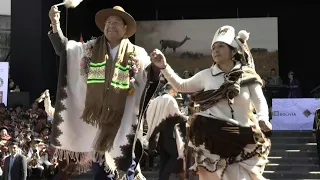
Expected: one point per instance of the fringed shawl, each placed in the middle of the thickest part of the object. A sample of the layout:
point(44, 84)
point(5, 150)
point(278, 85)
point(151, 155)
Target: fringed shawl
point(242, 76)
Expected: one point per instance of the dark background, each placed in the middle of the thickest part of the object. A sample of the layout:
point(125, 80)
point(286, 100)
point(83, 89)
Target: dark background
point(34, 64)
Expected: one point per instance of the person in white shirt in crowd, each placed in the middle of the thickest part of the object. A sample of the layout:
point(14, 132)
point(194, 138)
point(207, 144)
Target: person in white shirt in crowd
point(227, 141)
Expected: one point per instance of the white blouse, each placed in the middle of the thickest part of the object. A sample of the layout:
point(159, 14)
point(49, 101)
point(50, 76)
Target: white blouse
point(213, 78)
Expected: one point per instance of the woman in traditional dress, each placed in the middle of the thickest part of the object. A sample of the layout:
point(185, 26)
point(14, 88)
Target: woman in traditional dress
point(227, 141)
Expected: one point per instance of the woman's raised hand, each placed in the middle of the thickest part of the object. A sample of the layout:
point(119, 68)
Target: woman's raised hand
point(158, 59)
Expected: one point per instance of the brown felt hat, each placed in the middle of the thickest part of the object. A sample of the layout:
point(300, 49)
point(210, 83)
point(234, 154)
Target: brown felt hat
point(103, 14)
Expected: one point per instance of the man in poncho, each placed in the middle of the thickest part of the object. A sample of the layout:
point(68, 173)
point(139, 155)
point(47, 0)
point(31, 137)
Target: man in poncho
point(166, 132)
point(102, 84)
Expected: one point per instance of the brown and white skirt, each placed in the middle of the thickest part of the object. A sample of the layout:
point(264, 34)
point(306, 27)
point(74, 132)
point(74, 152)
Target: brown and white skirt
point(227, 150)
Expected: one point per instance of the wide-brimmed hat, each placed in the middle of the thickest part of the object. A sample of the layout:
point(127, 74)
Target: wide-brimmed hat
point(103, 14)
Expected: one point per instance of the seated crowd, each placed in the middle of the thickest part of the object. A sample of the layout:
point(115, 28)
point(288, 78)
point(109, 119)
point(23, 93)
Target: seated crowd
point(31, 129)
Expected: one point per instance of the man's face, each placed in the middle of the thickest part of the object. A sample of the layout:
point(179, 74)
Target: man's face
point(27, 133)
point(11, 84)
point(290, 76)
point(6, 122)
point(272, 72)
point(45, 132)
point(2, 109)
point(114, 28)
point(14, 118)
point(186, 74)
point(173, 92)
point(13, 149)
point(34, 145)
point(18, 109)
point(42, 120)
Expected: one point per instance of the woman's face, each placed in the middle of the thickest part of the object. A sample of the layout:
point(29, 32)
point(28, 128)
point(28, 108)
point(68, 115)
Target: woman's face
point(221, 52)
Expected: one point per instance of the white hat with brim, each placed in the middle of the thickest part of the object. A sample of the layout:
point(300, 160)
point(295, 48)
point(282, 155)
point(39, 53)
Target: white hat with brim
point(103, 15)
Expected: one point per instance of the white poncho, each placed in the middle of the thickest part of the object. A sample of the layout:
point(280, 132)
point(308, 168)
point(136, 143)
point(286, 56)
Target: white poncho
point(71, 136)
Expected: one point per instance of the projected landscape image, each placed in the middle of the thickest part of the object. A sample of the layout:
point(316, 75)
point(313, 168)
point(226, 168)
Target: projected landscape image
point(186, 43)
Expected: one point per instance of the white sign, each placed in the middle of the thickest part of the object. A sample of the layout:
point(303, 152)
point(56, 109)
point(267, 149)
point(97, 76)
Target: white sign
point(5, 7)
point(4, 76)
point(294, 114)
